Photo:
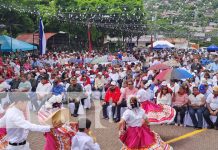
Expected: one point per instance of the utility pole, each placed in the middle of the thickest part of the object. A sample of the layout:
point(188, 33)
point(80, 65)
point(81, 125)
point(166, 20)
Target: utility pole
point(89, 36)
point(154, 30)
point(11, 37)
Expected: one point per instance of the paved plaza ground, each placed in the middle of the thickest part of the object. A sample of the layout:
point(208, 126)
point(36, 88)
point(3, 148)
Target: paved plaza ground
point(108, 137)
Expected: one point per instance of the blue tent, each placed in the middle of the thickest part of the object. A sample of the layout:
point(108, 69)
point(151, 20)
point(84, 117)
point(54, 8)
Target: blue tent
point(161, 46)
point(212, 48)
point(8, 44)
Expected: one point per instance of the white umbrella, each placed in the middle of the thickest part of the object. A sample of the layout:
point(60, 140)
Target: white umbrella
point(162, 42)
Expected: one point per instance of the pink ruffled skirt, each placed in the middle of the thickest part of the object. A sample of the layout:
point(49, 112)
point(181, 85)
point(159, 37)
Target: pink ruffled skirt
point(142, 138)
point(158, 114)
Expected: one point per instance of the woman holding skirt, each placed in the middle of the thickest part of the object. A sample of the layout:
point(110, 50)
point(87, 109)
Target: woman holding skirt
point(156, 113)
point(135, 133)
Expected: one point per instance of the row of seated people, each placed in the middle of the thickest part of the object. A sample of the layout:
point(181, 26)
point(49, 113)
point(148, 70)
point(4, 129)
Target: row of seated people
point(194, 107)
point(181, 101)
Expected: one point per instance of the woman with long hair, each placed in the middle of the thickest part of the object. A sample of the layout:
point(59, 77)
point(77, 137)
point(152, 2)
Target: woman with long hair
point(164, 97)
point(186, 86)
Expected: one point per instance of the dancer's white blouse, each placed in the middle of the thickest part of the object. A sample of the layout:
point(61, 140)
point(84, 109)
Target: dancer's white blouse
point(134, 117)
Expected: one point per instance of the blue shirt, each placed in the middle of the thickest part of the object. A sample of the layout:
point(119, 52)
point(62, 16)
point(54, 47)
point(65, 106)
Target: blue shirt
point(202, 89)
point(37, 64)
point(120, 56)
point(58, 89)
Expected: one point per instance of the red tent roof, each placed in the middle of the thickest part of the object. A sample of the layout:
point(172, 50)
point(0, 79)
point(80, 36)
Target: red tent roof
point(28, 37)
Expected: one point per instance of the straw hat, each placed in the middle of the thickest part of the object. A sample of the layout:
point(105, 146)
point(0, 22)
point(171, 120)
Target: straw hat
point(50, 116)
point(215, 88)
point(52, 112)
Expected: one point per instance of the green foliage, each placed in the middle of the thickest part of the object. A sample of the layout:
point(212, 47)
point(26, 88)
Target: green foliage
point(16, 23)
point(22, 17)
point(127, 12)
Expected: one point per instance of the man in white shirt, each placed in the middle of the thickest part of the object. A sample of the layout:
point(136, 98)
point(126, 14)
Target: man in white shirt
point(114, 75)
point(215, 79)
point(43, 91)
point(212, 109)
point(196, 105)
point(25, 85)
point(173, 86)
point(122, 76)
point(3, 84)
point(196, 79)
point(16, 124)
point(82, 140)
point(17, 68)
point(214, 66)
point(99, 82)
point(122, 73)
point(61, 60)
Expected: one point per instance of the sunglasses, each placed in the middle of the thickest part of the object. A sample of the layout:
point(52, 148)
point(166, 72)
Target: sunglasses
point(165, 89)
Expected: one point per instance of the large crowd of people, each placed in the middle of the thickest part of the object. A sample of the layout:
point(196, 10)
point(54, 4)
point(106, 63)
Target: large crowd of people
point(58, 84)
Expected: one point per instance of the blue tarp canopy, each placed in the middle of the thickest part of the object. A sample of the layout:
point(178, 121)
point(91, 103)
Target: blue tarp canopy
point(161, 46)
point(8, 44)
point(212, 48)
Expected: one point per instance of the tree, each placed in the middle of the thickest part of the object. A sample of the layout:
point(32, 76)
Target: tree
point(106, 17)
point(16, 23)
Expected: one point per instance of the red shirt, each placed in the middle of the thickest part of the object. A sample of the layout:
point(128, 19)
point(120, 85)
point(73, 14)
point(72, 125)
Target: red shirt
point(114, 95)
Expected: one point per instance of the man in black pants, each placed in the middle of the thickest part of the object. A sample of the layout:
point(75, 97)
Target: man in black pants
point(111, 98)
point(212, 109)
point(74, 95)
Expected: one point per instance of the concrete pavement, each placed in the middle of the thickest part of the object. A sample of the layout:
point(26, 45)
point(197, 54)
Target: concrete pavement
point(108, 137)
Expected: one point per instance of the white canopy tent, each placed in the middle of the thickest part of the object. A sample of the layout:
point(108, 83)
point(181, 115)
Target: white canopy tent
point(162, 42)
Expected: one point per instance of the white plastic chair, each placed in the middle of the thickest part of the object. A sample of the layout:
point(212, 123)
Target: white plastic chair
point(87, 101)
point(188, 121)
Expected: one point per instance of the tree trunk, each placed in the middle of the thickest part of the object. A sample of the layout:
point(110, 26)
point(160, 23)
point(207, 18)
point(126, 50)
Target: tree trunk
point(138, 40)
